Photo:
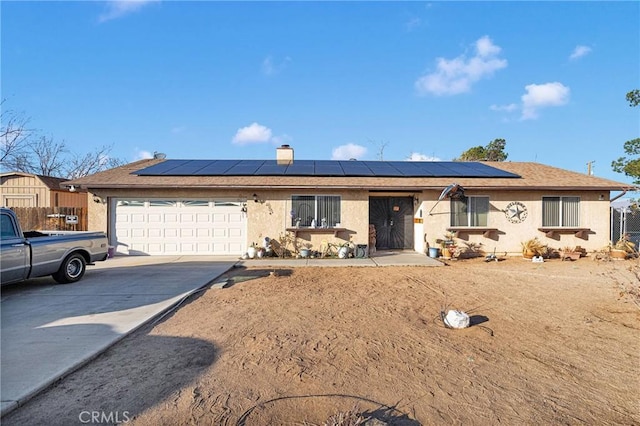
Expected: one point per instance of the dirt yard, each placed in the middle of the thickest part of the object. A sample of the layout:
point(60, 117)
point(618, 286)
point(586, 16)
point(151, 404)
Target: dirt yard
point(550, 343)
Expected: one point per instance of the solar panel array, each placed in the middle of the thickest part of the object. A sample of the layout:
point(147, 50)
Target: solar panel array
point(325, 168)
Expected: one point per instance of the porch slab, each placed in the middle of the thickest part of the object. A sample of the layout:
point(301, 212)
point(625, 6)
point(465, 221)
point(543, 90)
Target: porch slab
point(380, 258)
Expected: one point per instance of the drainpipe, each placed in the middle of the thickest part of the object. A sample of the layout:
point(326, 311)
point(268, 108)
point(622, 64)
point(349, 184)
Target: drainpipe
point(624, 192)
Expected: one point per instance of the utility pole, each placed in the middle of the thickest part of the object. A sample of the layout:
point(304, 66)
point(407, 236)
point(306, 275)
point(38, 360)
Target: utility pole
point(589, 171)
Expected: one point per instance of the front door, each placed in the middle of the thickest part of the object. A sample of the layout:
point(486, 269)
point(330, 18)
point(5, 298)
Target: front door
point(393, 221)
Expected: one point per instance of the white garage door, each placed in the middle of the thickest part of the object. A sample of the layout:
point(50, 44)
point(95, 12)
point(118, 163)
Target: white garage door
point(190, 227)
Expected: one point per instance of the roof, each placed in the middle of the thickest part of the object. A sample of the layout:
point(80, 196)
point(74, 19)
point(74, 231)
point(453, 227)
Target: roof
point(531, 176)
point(51, 182)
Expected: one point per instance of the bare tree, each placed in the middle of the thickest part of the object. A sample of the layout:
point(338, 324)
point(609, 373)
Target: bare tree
point(48, 156)
point(92, 162)
point(14, 137)
point(21, 151)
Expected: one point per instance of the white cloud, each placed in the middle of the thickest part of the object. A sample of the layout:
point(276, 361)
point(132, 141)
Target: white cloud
point(416, 156)
point(506, 108)
point(579, 52)
point(119, 8)
point(142, 154)
point(269, 67)
point(348, 151)
point(253, 133)
point(542, 96)
point(457, 75)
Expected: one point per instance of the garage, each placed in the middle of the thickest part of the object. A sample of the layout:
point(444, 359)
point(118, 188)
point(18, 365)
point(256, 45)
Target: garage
point(189, 227)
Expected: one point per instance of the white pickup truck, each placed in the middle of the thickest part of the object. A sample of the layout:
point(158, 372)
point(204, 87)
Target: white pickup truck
point(38, 254)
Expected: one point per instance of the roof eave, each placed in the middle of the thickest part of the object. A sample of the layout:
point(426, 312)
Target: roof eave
point(367, 187)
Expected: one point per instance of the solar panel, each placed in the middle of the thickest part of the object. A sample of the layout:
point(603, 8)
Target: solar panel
point(245, 168)
point(328, 168)
point(478, 169)
point(383, 168)
point(217, 167)
point(189, 168)
point(271, 168)
point(436, 169)
point(413, 168)
point(491, 171)
point(160, 168)
point(355, 168)
point(324, 168)
point(301, 168)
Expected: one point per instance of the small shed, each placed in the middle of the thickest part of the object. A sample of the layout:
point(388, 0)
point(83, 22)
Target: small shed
point(19, 189)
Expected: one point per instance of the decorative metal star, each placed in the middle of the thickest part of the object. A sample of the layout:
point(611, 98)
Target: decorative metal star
point(516, 212)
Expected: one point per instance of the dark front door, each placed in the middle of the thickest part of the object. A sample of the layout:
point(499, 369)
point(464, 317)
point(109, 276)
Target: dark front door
point(393, 220)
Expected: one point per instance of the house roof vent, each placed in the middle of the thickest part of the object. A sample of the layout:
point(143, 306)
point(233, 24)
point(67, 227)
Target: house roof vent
point(159, 155)
point(284, 155)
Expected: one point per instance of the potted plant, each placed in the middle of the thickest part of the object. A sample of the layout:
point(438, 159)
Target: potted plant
point(448, 246)
point(571, 253)
point(533, 248)
point(306, 251)
point(623, 248)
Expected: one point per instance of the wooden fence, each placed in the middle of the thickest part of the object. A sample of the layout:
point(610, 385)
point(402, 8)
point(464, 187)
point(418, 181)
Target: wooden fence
point(52, 218)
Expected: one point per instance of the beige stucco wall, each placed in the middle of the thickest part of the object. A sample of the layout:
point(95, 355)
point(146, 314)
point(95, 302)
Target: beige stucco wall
point(594, 214)
point(97, 213)
point(269, 217)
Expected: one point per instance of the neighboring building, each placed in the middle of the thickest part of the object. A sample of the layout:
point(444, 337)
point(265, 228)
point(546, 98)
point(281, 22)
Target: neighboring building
point(161, 206)
point(18, 189)
point(625, 219)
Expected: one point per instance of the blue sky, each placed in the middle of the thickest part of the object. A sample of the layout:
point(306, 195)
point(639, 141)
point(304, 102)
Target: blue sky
point(422, 80)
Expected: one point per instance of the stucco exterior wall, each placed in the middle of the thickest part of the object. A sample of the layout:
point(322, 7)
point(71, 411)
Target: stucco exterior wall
point(97, 216)
point(269, 217)
point(594, 215)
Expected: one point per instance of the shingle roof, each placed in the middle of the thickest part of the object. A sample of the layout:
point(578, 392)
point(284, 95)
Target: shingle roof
point(533, 176)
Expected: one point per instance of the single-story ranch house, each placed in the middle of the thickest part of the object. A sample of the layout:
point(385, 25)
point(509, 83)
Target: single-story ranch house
point(163, 206)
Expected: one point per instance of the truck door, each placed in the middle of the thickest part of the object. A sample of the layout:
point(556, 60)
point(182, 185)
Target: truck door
point(14, 251)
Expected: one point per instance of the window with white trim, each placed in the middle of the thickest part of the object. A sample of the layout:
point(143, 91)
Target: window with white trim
point(325, 209)
point(561, 211)
point(469, 211)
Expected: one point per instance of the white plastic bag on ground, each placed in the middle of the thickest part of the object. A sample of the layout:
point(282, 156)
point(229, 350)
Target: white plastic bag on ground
point(456, 319)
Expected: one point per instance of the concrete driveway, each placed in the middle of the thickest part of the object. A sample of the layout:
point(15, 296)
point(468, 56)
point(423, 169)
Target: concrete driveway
point(49, 330)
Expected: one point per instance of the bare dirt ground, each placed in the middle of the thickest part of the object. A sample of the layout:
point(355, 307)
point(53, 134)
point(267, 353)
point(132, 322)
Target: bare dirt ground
point(550, 343)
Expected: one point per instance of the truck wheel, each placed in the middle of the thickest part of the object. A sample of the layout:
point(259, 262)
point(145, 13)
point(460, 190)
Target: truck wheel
point(71, 270)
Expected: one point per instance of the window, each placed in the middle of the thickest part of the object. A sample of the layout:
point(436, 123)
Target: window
point(130, 203)
point(470, 211)
point(227, 203)
point(162, 203)
point(325, 209)
point(7, 230)
point(561, 211)
point(195, 203)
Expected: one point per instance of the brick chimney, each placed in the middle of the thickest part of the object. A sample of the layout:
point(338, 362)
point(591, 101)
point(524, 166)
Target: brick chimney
point(284, 155)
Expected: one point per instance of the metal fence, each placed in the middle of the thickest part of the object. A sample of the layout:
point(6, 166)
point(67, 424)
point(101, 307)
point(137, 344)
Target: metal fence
point(625, 220)
point(52, 218)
